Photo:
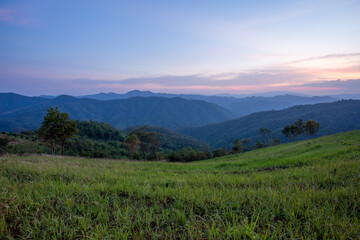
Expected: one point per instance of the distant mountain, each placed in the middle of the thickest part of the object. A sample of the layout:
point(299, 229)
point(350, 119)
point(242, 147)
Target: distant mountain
point(263, 94)
point(248, 105)
point(47, 96)
point(115, 96)
point(10, 102)
point(334, 117)
point(239, 106)
point(19, 112)
point(348, 96)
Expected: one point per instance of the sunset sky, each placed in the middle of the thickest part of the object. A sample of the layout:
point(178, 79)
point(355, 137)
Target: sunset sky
point(189, 46)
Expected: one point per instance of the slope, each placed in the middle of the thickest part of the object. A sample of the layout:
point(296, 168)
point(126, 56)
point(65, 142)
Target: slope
point(334, 117)
point(302, 190)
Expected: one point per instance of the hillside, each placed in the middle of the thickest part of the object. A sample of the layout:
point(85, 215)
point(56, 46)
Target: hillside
point(174, 113)
point(173, 140)
point(334, 117)
point(302, 190)
point(97, 139)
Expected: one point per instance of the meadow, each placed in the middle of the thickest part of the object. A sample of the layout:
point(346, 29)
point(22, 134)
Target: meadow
point(302, 190)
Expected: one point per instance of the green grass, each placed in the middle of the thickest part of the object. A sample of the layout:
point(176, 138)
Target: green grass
point(303, 190)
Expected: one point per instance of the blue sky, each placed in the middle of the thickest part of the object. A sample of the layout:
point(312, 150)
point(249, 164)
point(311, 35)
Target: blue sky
point(81, 47)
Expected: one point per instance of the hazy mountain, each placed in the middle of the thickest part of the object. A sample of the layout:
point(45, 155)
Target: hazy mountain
point(347, 96)
point(27, 113)
point(248, 105)
point(239, 106)
point(263, 94)
point(334, 117)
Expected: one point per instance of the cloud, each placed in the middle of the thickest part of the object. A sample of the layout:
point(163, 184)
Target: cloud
point(16, 16)
point(330, 56)
point(351, 86)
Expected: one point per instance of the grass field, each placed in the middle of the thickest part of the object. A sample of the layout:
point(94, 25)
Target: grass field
point(303, 190)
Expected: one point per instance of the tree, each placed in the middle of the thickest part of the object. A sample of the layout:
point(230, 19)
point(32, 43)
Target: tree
point(219, 152)
point(259, 145)
point(237, 147)
point(3, 142)
point(149, 141)
point(57, 126)
point(132, 142)
point(298, 128)
point(155, 142)
point(264, 132)
point(311, 127)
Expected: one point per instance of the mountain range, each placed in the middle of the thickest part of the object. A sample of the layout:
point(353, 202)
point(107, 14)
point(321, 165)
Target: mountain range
point(205, 121)
point(238, 106)
point(20, 112)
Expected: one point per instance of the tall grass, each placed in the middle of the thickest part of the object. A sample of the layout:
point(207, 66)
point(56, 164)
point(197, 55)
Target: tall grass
point(302, 190)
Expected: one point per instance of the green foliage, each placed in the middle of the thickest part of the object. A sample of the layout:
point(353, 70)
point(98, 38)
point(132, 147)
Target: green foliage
point(302, 190)
point(220, 152)
point(148, 141)
point(99, 130)
point(311, 127)
point(237, 146)
point(188, 155)
point(86, 147)
point(57, 126)
point(132, 142)
point(264, 132)
point(174, 141)
point(4, 140)
point(259, 145)
point(298, 128)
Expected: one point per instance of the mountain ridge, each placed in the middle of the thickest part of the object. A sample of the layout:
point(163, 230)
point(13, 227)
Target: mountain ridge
point(173, 113)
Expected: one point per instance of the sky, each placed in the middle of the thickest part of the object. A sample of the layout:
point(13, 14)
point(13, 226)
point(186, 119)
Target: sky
point(190, 46)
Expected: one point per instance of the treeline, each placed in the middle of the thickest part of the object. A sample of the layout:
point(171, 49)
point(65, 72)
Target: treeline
point(58, 134)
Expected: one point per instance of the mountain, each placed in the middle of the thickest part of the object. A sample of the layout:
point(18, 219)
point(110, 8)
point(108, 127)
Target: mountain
point(347, 96)
point(10, 102)
point(334, 117)
point(114, 96)
point(248, 105)
point(239, 106)
point(19, 112)
point(262, 94)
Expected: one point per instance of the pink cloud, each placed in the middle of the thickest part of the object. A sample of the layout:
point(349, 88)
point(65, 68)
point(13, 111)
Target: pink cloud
point(19, 17)
point(6, 15)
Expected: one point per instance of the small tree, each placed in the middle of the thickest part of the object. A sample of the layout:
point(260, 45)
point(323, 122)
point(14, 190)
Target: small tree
point(311, 127)
point(57, 126)
point(219, 152)
point(3, 142)
point(298, 128)
point(264, 133)
point(237, 147)
point(149, 141)
point(132, 142)
point(155, 142)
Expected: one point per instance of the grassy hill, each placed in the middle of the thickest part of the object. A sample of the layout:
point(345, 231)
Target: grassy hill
point(175, 113)
point(303, 190)
point(340, 116)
